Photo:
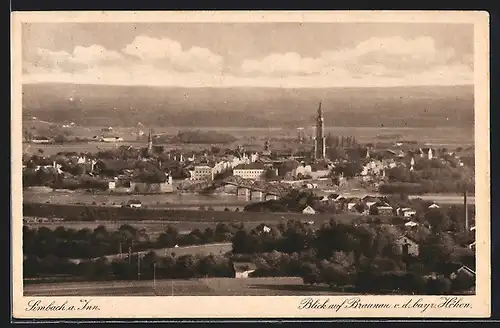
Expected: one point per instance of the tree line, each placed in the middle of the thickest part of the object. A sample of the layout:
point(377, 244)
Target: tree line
point(69, 243)
point(363, 258)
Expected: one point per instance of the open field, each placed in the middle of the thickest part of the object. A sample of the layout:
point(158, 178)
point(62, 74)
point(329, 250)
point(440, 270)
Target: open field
point(449, 137)
point(275, 286)
point(204, 250)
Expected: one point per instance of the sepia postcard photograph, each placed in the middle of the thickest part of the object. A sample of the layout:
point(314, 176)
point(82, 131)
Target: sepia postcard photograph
point(250, 164)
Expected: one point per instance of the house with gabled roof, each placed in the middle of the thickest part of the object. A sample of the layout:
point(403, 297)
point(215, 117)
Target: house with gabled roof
point(350, 203)
point(458, 270)
point(370, 200)
point(308, 210)
point(381, 208)
point(406, 212)
point(407, 245)
point(243, 269)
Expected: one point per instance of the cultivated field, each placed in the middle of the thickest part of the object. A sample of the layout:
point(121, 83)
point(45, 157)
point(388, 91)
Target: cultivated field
point(204, 250)
point(275, 286)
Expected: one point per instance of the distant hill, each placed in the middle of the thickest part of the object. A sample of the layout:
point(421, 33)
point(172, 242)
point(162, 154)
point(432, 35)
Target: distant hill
point(249, 107)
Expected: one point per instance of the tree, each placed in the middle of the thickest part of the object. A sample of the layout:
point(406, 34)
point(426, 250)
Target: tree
point(438, 286)
point(350, 169)
point(413, 283)
point(462, 283)
point(310, 273)
point(335, 275)
point(437, 249)
point(98, 269)
point(168, 238)
point(437, 220)
point(245, 243)
point(186, 266)
point(270, 174)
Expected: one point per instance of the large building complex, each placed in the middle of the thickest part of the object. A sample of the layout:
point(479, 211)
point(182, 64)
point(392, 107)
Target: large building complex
point(202, 172)
point(254, 171)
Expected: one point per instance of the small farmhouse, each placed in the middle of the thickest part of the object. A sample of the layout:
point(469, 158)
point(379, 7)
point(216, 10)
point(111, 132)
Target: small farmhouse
point(459, 274)
point(411, 224)
point(463, 271)
point(406, 212)
point(134, 203)
point(243, 269)
point(308, 210)
point(351, 203)
point(381, 208)
point(407, 246)
point(433, 206)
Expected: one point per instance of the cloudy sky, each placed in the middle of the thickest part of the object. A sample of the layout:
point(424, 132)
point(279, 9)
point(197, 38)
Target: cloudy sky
point(250, 54)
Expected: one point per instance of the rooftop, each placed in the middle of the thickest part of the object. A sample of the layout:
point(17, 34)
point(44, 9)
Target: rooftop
point(251, 166)
point(244, 266)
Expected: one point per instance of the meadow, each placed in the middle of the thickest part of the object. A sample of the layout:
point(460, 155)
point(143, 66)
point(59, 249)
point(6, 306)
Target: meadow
point(202, 250)
point(272, 286)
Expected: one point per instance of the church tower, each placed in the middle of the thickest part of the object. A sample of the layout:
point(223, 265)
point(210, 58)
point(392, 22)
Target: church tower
point(150, 142)
point(319, 140)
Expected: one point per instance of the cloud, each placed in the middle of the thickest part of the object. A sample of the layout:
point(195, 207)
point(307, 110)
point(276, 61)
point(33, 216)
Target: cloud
point(376, 57)
point(46, 60)
point(169, 53)
point(163, 62)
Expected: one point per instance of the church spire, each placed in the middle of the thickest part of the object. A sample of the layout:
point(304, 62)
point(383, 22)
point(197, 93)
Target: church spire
point(319, 140)
point(150, 141)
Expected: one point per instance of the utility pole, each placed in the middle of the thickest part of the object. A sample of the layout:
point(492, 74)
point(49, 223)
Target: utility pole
point(120, 250)
point(154, 276)
point(129, 255)
point(138, 266)
point(466, 212)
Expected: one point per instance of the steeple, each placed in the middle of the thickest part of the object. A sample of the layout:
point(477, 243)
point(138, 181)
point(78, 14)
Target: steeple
point(150, 141)
point(319, 140)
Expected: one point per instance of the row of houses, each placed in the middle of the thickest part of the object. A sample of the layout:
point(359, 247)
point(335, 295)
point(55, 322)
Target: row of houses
point(367, 205)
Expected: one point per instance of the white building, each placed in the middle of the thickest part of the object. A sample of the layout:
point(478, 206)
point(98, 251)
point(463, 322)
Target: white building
point(202, 172)
point(111, 139)
point(254, 171)
point(308, 210)
point(41, 141)
point(243, 269)
point(303, 170)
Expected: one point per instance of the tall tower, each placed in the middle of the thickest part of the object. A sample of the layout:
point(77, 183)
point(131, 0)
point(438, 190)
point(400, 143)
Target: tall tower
point(319, 140)
point(150, 142)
